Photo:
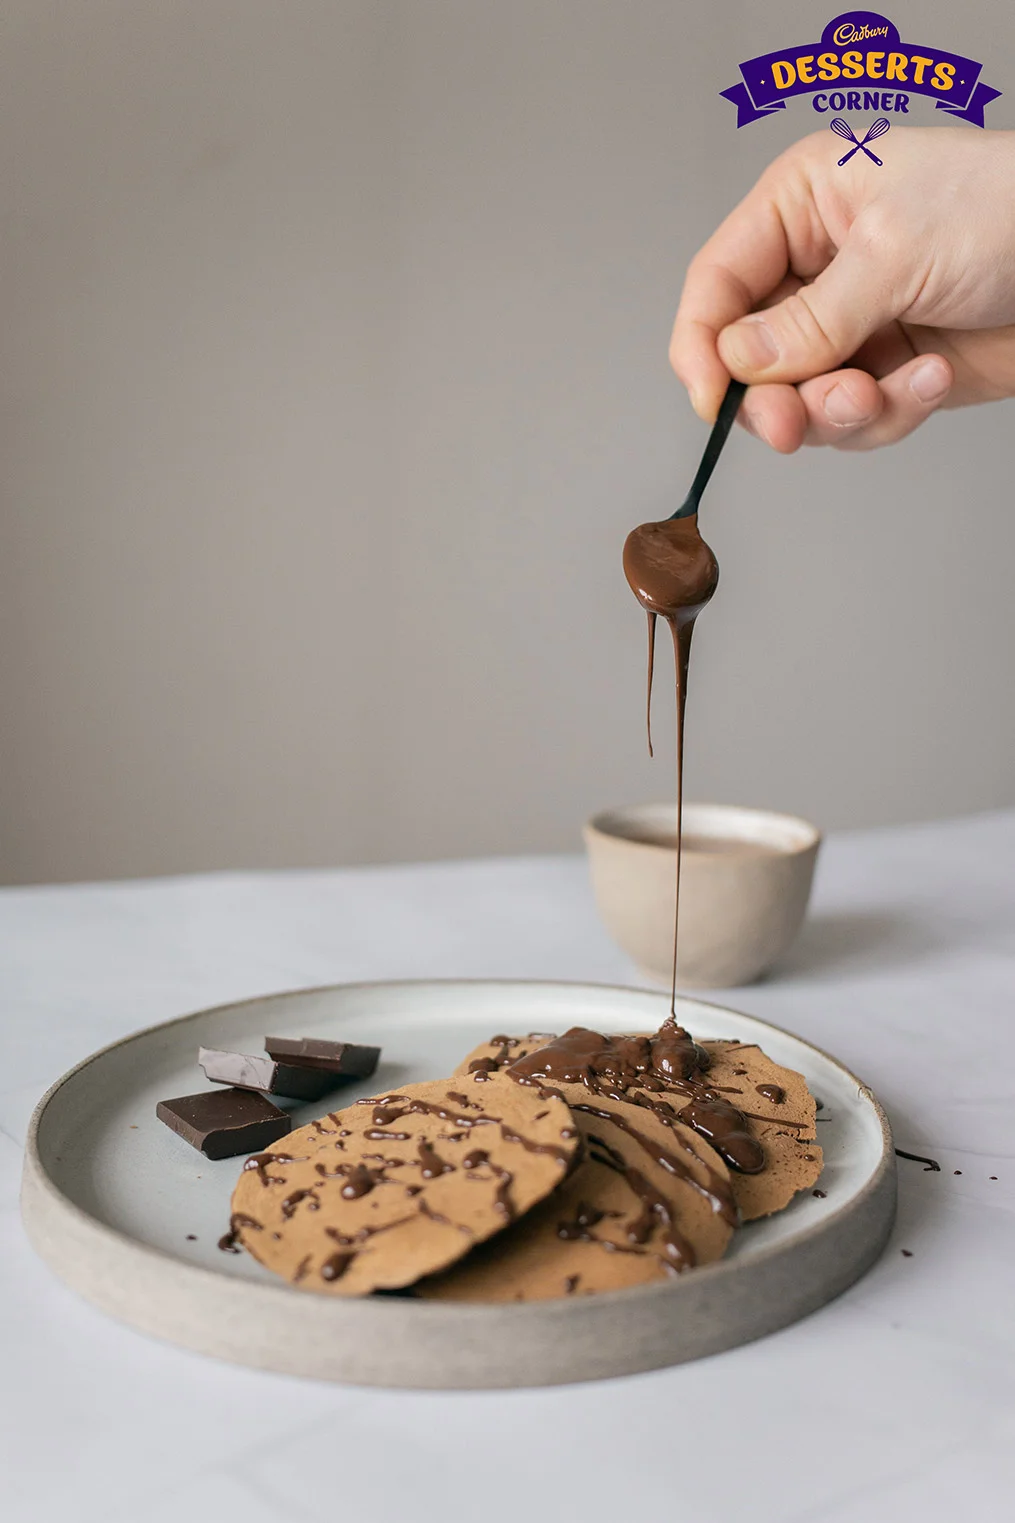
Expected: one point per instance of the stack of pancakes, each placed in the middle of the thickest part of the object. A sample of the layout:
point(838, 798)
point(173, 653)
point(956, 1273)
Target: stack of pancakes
point(544, 1167)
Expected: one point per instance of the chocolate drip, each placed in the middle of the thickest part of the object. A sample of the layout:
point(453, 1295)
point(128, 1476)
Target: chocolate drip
point(261, 1161)
point(335, 1267)
point(933, 1167)
point(301, 1269)
point(724, 1127)
point(374, 1134)
point(587, 1057)
point(561, 1154)
point(425, 1209)
point(672, 572)
point(678, 1253)
point(625, 1067)
point(386, 1111)
point(431, 1165)
point(503, 1203)
point(359, 1180)
point(292, 1201)
point(716, 1190)
point(772, 1092)
point(239, 1219)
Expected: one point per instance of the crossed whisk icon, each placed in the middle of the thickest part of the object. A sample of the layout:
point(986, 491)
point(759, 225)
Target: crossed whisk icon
point(876, 129)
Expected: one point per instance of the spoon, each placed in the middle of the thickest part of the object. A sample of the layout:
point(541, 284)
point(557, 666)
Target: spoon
point(728, 409)
point(670, 569)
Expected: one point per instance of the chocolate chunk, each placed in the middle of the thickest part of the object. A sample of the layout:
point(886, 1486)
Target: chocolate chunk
point(259, 1072)
point(222, 1123)
point(346, 1059)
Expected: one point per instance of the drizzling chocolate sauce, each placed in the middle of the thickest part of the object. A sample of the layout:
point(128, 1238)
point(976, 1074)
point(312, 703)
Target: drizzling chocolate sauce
point(335, 1267)
point(360, 1181)
point(561, 1154)
point(394, 1107)
point(772, 1092)
point(677, 1253)
point(673, 573)
point(716, 1190)
point(431, 1164)
point(292, 1201)
point(625, 1067)
point(239, 1219)
point(261, 1161)
point(725, 1128)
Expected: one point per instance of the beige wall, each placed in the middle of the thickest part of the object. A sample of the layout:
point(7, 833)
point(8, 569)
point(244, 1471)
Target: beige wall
point(333, 374)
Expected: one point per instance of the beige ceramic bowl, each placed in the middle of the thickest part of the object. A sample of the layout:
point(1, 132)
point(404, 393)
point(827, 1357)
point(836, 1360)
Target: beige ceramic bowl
point(745, 880)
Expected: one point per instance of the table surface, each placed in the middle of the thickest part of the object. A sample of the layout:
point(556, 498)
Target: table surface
point(895, 1402)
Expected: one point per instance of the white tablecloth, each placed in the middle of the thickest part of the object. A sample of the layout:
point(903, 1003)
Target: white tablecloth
point(897, 1402)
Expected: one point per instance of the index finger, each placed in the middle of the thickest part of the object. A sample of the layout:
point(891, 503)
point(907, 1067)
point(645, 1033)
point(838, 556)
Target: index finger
point(743, 262)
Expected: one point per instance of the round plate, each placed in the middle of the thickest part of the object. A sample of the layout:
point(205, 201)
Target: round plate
point(130, 1216)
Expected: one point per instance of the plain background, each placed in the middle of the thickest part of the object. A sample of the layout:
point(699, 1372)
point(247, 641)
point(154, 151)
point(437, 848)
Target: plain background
point(333, 375)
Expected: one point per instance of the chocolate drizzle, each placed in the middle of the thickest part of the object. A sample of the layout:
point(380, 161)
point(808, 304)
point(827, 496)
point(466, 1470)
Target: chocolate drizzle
point(261, 1161)
point(560, 1154)
point(238, 1220)
point(632, 1068)
point(334, 1267)
point(292, 1201)
point(932, 1165)
point(655, 1215)
point(715, 1189)
point(773, 1092)
point(431, 1165)
point(672, 573)
point(394, 1107)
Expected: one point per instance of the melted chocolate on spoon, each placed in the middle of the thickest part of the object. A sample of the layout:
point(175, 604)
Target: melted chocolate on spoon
point(672, 573)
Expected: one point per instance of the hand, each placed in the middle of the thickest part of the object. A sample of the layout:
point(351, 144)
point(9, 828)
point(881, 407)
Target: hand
point(879, 294)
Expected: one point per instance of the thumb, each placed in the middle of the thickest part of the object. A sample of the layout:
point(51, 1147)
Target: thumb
point(819, 326)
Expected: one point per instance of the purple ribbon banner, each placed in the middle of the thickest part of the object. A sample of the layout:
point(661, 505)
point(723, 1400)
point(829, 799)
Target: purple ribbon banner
point(861, 50)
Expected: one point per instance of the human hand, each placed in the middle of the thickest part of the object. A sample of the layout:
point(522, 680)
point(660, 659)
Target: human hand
point(879, 294)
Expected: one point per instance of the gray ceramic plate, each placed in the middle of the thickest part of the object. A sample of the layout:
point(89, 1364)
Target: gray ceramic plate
point(129, 1216)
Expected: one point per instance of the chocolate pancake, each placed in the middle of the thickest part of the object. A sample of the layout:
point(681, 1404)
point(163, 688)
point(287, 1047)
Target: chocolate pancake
point(646, 1202)
point(396, 1187)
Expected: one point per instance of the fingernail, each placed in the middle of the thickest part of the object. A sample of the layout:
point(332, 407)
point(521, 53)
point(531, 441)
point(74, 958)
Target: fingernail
point(930, 381)
point(841, 407)
point(751, 345)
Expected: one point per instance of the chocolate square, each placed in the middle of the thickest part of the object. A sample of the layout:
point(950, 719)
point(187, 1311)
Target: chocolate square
point(222, 1123)
point(346, 1059)
point(256, 1071)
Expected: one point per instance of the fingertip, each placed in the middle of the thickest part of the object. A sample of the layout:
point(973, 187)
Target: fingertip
point(931, 380)
point(748, 348)
point(776, 416)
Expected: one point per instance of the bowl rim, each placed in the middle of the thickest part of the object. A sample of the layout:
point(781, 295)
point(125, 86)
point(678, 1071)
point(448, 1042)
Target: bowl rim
point(599, 825)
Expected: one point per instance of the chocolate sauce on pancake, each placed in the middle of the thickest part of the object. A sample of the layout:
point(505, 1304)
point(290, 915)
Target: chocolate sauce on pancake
point(673, 574)
point(640, 1069)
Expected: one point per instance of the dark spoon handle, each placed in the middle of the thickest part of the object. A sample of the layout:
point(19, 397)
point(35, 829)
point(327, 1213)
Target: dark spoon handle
point(713, 449)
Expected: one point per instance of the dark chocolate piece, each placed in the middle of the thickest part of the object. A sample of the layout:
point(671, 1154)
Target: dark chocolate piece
point(346, 1059)
point(259, 1072)
point(222, 1123)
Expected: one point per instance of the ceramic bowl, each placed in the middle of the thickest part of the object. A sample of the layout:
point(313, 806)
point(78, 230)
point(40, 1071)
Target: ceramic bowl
point(745, 881)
